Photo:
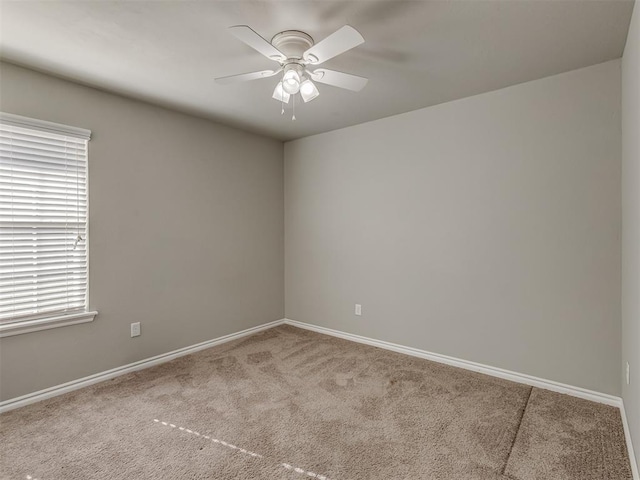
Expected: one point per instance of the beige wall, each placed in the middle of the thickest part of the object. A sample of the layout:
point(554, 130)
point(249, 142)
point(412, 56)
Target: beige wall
point(631, 226)
point(186, 232)
point(486, 228)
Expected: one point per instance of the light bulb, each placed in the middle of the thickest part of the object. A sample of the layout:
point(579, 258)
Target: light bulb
point(291, 82)
point(308, 90)
point(291, 86)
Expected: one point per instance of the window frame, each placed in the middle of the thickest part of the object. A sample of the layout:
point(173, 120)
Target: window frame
point(45, 321)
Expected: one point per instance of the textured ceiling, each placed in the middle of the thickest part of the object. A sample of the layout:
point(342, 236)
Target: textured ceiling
point(416, 54)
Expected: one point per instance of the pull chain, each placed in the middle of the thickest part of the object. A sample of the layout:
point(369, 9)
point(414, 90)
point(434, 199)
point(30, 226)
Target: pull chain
point(282, 96)
point(79, 236)
point(293, 118)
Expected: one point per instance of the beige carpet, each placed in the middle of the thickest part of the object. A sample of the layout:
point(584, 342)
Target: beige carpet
point(289, 404)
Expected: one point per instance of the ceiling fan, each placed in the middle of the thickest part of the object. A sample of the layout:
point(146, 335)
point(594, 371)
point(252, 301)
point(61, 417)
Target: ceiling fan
point(297, 55)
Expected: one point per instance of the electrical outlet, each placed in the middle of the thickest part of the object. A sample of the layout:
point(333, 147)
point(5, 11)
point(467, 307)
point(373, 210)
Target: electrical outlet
point(628, 376)
point(358, 309)
point(135, 329)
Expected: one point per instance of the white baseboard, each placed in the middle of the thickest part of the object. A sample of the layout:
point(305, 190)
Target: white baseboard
point(627, 436)
point(132, 367)
point(467, 365)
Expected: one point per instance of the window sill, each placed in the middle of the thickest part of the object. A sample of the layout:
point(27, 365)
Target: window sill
point(28, 326)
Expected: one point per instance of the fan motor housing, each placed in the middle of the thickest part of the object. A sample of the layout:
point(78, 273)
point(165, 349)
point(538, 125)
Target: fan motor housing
point(293, 43)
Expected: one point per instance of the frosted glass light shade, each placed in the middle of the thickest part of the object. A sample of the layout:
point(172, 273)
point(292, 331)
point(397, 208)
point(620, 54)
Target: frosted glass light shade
point(280, 95)
point(291, 82)
point(308, 90)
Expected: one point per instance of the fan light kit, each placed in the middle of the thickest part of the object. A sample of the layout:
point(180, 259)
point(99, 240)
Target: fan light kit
point(296, 52)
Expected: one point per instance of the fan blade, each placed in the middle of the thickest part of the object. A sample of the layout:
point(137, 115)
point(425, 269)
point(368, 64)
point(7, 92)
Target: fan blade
point(255, 41)
point(339, 79)
point(243, 77)
point(338, 42)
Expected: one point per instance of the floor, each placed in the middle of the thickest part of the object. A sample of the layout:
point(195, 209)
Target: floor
point(291, 404)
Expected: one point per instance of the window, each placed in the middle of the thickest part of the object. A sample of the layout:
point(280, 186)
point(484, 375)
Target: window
point(43, 225)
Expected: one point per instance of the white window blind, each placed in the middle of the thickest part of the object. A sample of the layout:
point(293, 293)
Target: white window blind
point(43, 219)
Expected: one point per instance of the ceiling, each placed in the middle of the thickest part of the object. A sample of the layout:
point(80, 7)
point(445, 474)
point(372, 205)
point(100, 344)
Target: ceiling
point(416, 54)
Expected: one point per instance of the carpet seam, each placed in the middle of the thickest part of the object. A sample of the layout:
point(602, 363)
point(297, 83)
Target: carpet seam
point(515, 437)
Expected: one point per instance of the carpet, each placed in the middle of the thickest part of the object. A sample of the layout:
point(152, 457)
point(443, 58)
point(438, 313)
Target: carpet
point(290, 404)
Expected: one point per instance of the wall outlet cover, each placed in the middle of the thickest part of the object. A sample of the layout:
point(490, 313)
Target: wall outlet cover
point(135, 329)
